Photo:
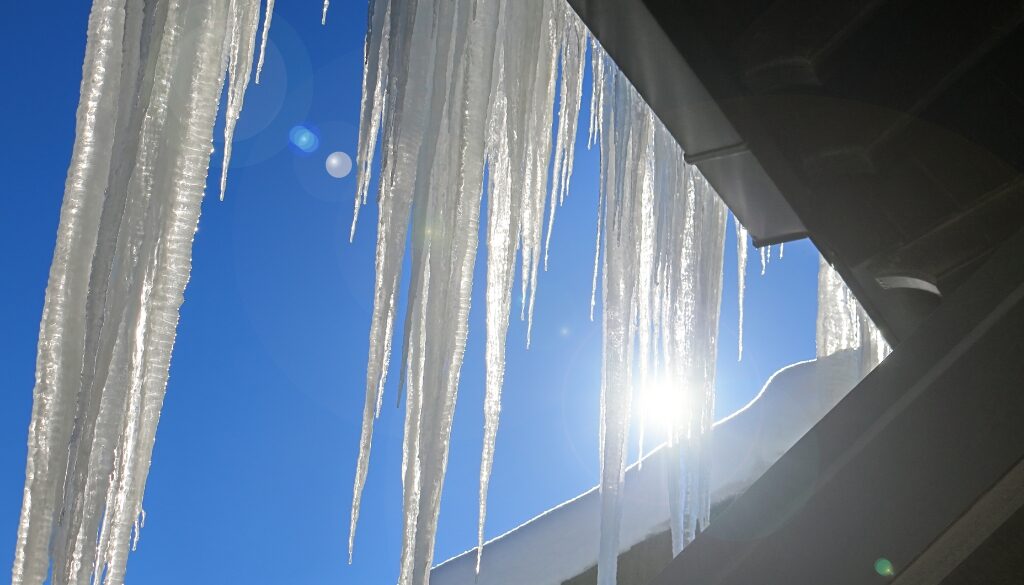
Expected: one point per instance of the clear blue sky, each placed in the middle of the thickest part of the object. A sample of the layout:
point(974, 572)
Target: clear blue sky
point(252, 471)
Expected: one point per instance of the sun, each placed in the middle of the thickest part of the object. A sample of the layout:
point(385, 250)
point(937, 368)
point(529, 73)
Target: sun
point(659, 402)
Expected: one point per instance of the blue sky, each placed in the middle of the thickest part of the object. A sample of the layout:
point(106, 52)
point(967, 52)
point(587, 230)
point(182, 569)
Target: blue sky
point(252, 471)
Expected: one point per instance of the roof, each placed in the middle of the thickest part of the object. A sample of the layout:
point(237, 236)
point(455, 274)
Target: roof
point(888, 131)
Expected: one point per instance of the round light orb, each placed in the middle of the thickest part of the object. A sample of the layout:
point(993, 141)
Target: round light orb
point(338, 164)
point(304, 139)
point(884, 567)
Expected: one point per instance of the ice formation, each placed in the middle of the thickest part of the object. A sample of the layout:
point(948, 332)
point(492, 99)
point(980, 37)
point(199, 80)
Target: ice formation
point(456, 91)
point(154, 72)
point(452, 88)
point(842, 322)
point(664, 230)
point(742, 249)
point(267, 17)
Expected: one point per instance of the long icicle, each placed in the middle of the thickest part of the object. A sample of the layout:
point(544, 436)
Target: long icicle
point(268, 15)
point(62, 329)
point(245, 20)
point(503, 216)
point(459, 84)
point(741, 280)
point(143, 143)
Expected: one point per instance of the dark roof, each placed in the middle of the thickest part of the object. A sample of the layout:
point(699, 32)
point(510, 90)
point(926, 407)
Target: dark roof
point(891, 132)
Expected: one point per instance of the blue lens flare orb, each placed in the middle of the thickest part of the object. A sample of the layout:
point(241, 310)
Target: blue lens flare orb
point(304, 139)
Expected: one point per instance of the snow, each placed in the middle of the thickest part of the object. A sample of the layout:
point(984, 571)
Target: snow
point(150, 93)
point(563, 542)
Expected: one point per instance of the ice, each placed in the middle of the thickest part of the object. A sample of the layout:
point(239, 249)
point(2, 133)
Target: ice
point(741, 278)
point(267, 17)
point(663, 234)
point(453, 87)
point(574, 48)
point(454, 91)
point(150, 93)
point(843, 324)
point(371, 108)
point(245, 20)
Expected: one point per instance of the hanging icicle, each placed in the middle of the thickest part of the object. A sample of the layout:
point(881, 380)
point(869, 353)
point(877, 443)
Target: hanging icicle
point(498, 61)
point(268, 15)
point(452, 87)
point(742, 248)
point(843, 324)
point(245, 20)
point(664, 232)
point(154, 73)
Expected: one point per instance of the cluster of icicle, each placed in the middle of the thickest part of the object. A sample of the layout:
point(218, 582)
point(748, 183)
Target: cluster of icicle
point(153, 74)
point(452, 88)
point(663, 236)
point(842, 322)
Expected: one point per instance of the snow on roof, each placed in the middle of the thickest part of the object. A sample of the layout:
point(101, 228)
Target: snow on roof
point(563, 541)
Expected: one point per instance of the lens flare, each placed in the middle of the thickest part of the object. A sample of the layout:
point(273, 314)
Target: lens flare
point(660, 402)
point(883, 567)
point(338, 164)
point(304, 139)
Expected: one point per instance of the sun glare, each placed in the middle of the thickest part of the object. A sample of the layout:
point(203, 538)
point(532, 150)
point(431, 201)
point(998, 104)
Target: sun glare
point(658, 401)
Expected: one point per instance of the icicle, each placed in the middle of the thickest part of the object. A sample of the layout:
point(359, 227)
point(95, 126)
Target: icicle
point(267, 17)
point(782, 250)
point(741, 278)
point(843, 324)
point(663, 237)
point(764, 259)
point(410, 58)
point(597, 57)
point(458, 84)
point(245, 17)
point(119, 270)
point(597, 253)
point(371, 109)
point(323, 18)
point(503, 217)
point(596, 117)
point(59, 358)
point(539, 116)
point(573, 52)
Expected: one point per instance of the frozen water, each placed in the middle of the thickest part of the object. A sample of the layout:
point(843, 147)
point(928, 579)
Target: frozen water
point(454, 87)
point(149, 98)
